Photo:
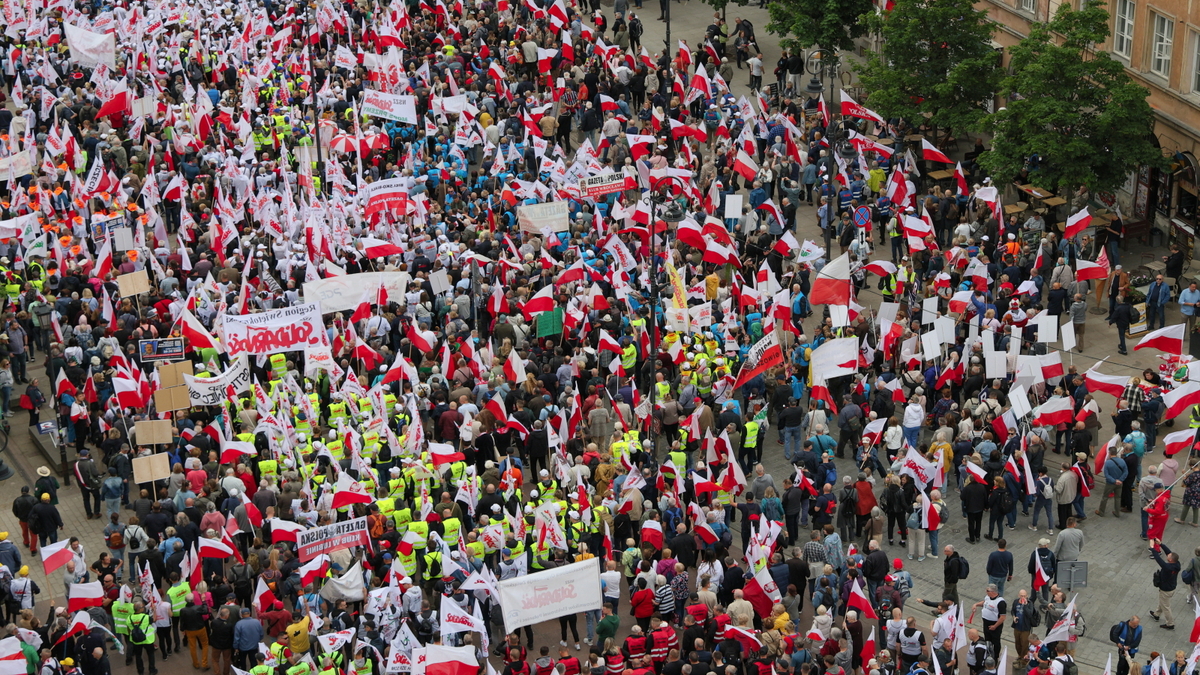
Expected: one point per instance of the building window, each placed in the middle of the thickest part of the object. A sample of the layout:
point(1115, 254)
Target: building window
point(1123, 28)
point(1028, 5)
point(1164, 39)
point(1195, 62)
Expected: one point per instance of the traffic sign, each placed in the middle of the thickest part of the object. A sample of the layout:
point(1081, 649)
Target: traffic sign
point(862, 216)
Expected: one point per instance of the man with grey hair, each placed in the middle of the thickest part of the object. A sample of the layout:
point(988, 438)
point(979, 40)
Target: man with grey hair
point(995, 611)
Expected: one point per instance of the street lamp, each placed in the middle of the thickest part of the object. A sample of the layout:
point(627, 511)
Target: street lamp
point(671, 213)
point(823, 64)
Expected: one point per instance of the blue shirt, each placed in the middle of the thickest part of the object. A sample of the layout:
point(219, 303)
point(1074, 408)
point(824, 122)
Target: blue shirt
point(1187, 300)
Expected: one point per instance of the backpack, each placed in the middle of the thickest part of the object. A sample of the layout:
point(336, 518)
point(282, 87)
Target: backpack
point(1189, 575)
point(240, 576)
point(136, 634)
point(1068, 667)
point(964, 568)
point(901, 586)
point(116, 540)
point(1047, 490)
point(1116, 632)
point(1035, 617)
point(914, 520)
point(885, 603)
point(855, 424)
point(1006, 500)
point(134, 541)
point(1134, 317)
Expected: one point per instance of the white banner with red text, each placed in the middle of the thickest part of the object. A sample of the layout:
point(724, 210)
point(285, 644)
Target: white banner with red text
point(550, 594)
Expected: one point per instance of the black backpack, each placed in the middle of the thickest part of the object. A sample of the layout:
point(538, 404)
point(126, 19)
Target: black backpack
point(135, 629)
point(964, 568)
point(1006, 500)
point(1115, 633)
point(240, 576)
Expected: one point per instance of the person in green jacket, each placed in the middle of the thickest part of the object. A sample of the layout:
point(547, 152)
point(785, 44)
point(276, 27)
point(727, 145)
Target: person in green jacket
point(609, 623)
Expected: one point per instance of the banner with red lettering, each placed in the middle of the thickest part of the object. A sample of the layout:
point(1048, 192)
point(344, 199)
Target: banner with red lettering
point(546, 595)
point(390, 106)
point(384, 196)
point(279, 330)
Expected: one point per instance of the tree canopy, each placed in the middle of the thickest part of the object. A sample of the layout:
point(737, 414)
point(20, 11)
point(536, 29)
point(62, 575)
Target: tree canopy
point(835, 26)
point(936, 58)
point(1073, 108)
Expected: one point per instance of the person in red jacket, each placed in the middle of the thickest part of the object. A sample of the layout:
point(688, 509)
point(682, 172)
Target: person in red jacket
point(642, 603)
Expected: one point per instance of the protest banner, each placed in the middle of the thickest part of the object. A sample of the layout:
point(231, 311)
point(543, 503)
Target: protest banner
point(535, 598)
point(341, 294)
point(390, 106)
point(536, 217)
point(279, 330)
point(330, 538)
point(212, 390)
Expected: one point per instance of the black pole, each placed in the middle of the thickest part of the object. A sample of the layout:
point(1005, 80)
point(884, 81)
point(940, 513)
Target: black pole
point(654, 301)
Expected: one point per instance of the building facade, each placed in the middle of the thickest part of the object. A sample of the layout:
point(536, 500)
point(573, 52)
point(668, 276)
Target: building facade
point(1159, 43)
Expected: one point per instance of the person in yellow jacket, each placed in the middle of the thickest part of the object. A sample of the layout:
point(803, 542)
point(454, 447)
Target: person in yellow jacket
point(141, 638)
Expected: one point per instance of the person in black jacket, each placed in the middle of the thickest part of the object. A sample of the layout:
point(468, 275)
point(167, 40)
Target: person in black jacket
point(193, 622)
point(1166, 579)
point(951, 573)
point(45, 521)
point(21, 507)
point(221, 639)
point(974, 501)
point(1121, 317)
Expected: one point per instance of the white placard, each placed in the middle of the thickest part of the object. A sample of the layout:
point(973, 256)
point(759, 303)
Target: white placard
point(390, 106)
point(1029, 371)
point(997, 364)
point(888, 310)
point(931, 345)
point(733, 207)
point(1047, 328)
point(440, 281)
point(929, 309)
point(1019, 400)
point(840, 315)
point(123, 239)
point(944, 327)
point(1068, 336)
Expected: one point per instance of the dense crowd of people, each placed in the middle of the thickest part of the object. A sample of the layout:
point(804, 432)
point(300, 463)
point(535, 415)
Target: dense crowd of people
point(563, 315)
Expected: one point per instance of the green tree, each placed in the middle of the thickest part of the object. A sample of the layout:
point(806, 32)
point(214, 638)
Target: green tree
point(1075, 108)
point(835, 26)
point(936, 59)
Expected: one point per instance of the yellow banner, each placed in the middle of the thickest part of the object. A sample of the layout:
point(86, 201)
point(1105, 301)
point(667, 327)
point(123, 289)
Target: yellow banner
point(678, 292)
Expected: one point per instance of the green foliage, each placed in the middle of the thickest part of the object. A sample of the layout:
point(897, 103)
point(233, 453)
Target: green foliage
point(1078, 110)
point(720, 5)
point(831, 24)
point(936, 59)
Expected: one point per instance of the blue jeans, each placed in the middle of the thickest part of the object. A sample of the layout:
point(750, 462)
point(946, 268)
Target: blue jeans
point(1114, 252)
point(1040, 505)
point(999, 581)
point(912, 435)
point(1078, 504)
point(1153, 312)
point(933, 543)
point(791, 442)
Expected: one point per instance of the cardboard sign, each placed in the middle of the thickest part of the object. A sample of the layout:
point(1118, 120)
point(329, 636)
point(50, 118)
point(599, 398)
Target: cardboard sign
point(171, 399)
point(171, 374)
point(151, 467)
point(134, 283)
point(153, 432)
